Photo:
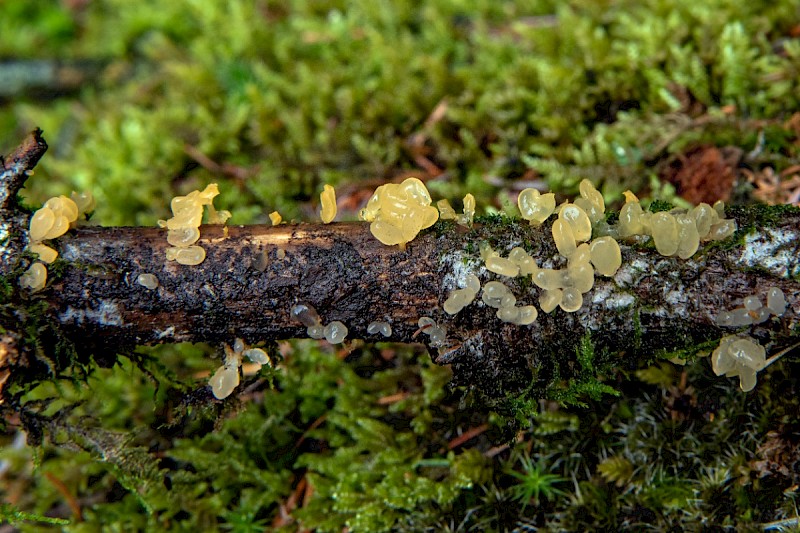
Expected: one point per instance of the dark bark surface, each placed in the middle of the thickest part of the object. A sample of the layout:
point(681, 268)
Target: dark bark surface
point(652, 306)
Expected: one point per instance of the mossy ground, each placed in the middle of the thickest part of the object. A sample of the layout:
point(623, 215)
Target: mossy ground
point(272, 99)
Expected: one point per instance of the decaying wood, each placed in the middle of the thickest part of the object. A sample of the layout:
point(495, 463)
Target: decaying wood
point(245, 289)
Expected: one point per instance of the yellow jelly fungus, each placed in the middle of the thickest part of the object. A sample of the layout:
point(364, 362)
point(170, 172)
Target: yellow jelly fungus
point(183, 237)
point(527, 265)
point(550, 299)
point(41, 223)
point(280, 254)
point(446, 211)
point(59, 227)
point(399, 212)
point(605, 256)
point(630, 197)
point(564, 238)
point(328, 200)
point(502, 266)
point(549, 279)
point(630, 219)
point(534, 206)
point(664, 228)
point(571, 300)
point(704, 217)
point(148, 281)
point(590, 193)
point(275, 218)
point(578, 220)
point(224, 380)
point(85, 201)
point(497, 295)
point(190, 256)
point(305, 314)
point(579, 276)
point(688, 236)
point(61, 205)
point(34, 278)
point(469, 211)
point(46, 254)
point(776, 302)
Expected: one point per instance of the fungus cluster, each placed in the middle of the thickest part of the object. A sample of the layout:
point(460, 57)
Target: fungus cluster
point(183, 229)
point(226, 378)
point(436, 334)
point(460, 298)
point(51, 221)
point(275, 218)
point(398, 212)
point(334, 333)
point(739, 356)
point(752, 311)
point(446, 211)
point(328, 202)
point(678, 232)
point(379, 326)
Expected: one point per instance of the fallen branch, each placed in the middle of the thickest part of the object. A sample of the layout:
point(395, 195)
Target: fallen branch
point(252, 275)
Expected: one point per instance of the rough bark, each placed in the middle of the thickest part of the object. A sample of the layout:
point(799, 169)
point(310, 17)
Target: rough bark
point(653, 305)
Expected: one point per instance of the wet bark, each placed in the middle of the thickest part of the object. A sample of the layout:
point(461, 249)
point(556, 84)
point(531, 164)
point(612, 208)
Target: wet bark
point(253, 275)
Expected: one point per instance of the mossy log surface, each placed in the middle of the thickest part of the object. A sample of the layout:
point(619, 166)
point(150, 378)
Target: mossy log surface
point(652, 307)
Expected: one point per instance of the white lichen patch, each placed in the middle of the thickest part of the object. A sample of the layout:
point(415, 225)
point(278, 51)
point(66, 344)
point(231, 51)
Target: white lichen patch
point(772, 249)
point(459, 266)
point(106, 314)
point(605, 295)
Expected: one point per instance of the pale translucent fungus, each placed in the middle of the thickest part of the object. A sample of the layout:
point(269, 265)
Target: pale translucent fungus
point(704, 217)
point(605, 256)
point(238, 345)
point(34, 278)
point(549, 299)
point(582, 254)
point(261, 261)
point(722, 230)
point(85, 201)
point(752, 303)
point(280, 254)
point(564, 238)
point(485, 251)
point(719, 207)
point(592, 195)
point(474, 284)
point(46, 254)
point(536, 207)
point(688, 236)
point(508, 314)
point(316, 332)
point(549, 279)
point(571, 300)
point(630, 219)
point(776, 302)
point(579, 276)
point(41, 223)
point(190, 256)
point(446, 211)
point(469, 211)
point(335, 332)
point(275, 218)
point(328, 200)
point(425, 321)
point(578, 220)
point(148, 281)
point(381, 327)
point(739, 356)
point(527, 315)
point(437, 335)
point(502, 266)
point(497, 295)
point(257, 355)
point(224, 380)
point(665, 233)
point(457, 300)
point(305, 314)
point(183, 237)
